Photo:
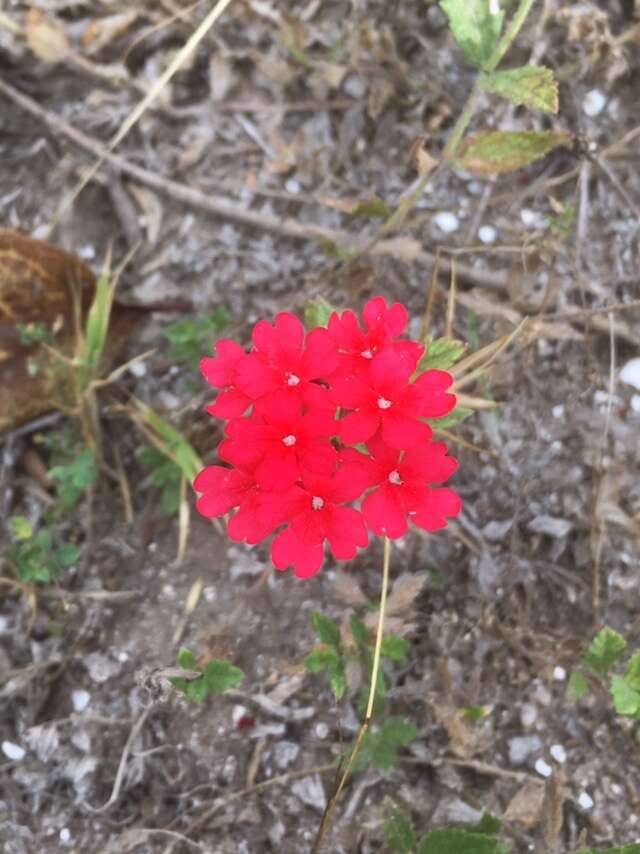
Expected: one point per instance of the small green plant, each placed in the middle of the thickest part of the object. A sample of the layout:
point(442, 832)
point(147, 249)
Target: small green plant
point(481, 838)
point(605, 652)
point(190, 337)
point(34, 333)
point(166, 475)
point(215, 677)
point(73, 478)
point(34, 555)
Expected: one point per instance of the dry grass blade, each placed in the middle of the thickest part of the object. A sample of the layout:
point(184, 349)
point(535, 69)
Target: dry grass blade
point(144, 104)
point(490, 352)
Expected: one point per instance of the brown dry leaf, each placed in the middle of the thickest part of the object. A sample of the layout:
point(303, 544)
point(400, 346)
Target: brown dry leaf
point(526, 805)
point(101, 31)
point(552, 810)
point(347, 590)
point(46, 37)
point(330, 72)
point(404, 593)
point(420, 158)
point(40, 283)
point(465, 740)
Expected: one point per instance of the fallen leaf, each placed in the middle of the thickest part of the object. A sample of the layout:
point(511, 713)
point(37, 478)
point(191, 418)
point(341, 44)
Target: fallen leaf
point(404, 593)
point(492, 152)
point(46, 37)
point(526, 805)
point(101, 31)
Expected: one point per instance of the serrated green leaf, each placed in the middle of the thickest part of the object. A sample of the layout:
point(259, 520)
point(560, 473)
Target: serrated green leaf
point(625, 699)
point(632, 674)
point(220, 676)
point(20, 527)
point(67, 554)
point(398, 833)
point(476, 26)
point(442, 354)
point(394, 648)
point(577, 687)
point(458, 841)
point(317, 312)
point(398, 733)
point(338, 680)
point(186, 659)
point(321, 658)
point(633, 848)
point(488, 825)
point(456, 416)
point(532, 86)
point(196, 691)
point(606, 648)
point(358, 629)
point(326, 629)
point(495, 152)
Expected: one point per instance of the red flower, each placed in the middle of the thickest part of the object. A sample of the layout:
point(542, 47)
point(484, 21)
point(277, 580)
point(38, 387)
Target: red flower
point(317, 514)
point(358, 347)
point(280, 442)
point(403, 492)
point(225, 489)
point(390, 402)
point(283, 360)
point(220, 372)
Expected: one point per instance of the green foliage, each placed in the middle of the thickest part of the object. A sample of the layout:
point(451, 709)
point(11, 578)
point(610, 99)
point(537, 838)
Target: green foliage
point(34, 333)
point(398, 833)
point(561, 224)
point(531, 85)
point(475, 714)
point(632, 848)
point(495, 152)
point(625, 698)
point(317, 312)
point(394, 648)
point(97, 327)
point(456, 416)
point(380, 748)
point(442, 354)
point(166, 476)
point(358, 629)
point(605, 650)
point(34, 555)
point(476, 26)
point(326, 629)
point(74, 477)
point(632, 674)
point(577, 687)
point(459, 841)
point(190, 337)
point(216, 677)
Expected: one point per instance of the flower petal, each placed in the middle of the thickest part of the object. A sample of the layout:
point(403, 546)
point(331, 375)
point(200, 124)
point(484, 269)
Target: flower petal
point(346, 532)
point(428, 463)
point(402, 431)
point(229, 404)
point(358, 427)
point(287, 550)
point(320, 357)
point(384, 514)
point(278, 470)
point(430, 388)
point(351, 391)
point(439, 504)
point(256, 378)
point(219, 372)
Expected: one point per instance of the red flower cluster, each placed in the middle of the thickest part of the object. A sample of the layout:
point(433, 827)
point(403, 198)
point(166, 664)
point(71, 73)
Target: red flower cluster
point(297, 405)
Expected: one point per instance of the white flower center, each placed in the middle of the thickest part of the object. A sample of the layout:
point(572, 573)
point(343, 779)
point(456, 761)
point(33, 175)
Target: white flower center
point(394, 478)
point(317, 503)
point(292, 379)
point(289, 440)
point(383, 403)
point(367, 354)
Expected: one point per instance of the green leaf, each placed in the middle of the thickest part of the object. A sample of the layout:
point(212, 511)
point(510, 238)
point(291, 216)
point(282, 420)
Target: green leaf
point(458, 841)
point(20, 527)
point(398, 833)
point(186, 659)
point(475, 713)
point(577, 687)
point(442, 354)
point(379, 748)
point(359, 631)
point(317, 312)
point(494, 152)
point(632, 674)
point(371, 208)
point(605, 650)
point(488, 825)
point(97, 327)
point(196, 691)
point(326, 630)
point(338, 679)
point(66, 555)
point(394, 648)
point(476, 26)
point(220, 676)
point(456, 416)
point(321, 658)
point(532, 85)
point(191, 337)
point(633, 848)
point(625, 699)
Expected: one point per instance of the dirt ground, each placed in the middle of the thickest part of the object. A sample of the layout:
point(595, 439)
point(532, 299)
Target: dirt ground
point(286, 115)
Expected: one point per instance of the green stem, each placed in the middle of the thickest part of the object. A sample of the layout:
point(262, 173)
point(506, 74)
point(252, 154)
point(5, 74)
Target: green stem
point(324, 823)
point(515, 25)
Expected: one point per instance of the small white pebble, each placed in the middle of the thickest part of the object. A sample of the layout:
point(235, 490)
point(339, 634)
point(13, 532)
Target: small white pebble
point(635, 406)
point(630, 373)
point(138, 369)
point(292, 186)
point(322, 730)
point(123, 656)
point(87, 253)
point(585, 801)
point(80, 700)
point(600, 397)
point(13, 751)
point(559, 673)
point(532, 219)
point(594, 102)
point(558, 412)
point(543, 768)
point(487, 234)
point(237, 713)
point(559, 753)
point(65, 835)
point(4, 625)
point(447, 222)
